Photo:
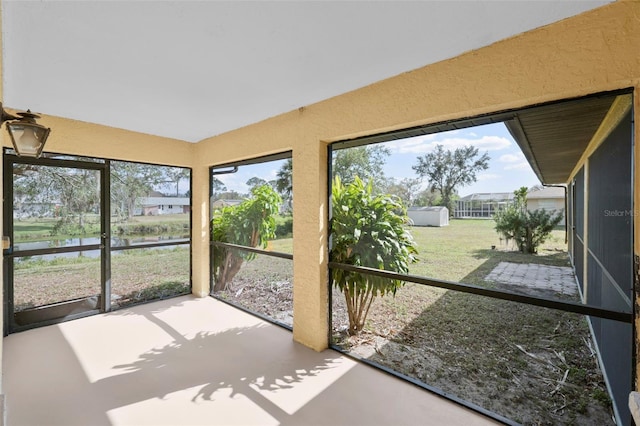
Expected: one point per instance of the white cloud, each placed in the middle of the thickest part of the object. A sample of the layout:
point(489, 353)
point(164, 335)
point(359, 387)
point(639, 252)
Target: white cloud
point(522, 165)
point(233, 182)
point(485, 143)
point(423, 144)
point(488, 176)
point(403, 146)
point(511, 158)
point(271, 175)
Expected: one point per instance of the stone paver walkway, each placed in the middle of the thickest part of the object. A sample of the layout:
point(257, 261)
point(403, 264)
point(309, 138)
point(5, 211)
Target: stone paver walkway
point(559, 279)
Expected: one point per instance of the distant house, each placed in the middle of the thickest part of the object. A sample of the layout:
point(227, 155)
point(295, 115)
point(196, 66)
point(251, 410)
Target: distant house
point(429, 216)
point(152, 206)
point(549, 198)
point(485, 204)
point(482, 204)
point(220, 203)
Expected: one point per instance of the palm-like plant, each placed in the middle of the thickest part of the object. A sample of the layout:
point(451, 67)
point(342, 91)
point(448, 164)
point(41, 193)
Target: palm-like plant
point(367, 230)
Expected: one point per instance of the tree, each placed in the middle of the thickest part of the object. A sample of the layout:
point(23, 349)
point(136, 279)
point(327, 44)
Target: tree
point(527, 228)
point(284, 182)
point(217, 187)
point(428, 197)
point(177, 174)
point(447, 170)
point(366, 230)
point(256, 181)
point(231, 195)
point(365, 162)
point(406, 189)
point(75, 191)
point(31, 188)
point(79, 192)
point(129, 182)
point(251, 223)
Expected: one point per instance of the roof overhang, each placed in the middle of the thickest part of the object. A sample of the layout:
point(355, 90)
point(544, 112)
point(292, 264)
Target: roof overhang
point(555, 137)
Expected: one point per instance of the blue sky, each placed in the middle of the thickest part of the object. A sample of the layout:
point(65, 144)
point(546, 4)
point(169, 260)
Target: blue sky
point(237, 181)
point(508, 169)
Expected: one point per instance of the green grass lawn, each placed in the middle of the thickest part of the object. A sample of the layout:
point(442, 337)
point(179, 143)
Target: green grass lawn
point(283, 245)
point(33, 228)
point(504, 356)
point(463, 251)
point(454, 252)
point(136, 275)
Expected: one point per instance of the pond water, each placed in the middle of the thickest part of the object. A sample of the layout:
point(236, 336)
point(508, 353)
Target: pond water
point(70, 242)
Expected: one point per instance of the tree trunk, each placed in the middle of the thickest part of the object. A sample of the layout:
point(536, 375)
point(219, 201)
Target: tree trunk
point(230, 267)
point(358, 303)
point(131, 203)
point(530, 247)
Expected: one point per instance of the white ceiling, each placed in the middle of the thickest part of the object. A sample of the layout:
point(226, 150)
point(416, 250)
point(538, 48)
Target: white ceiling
point(190, 70)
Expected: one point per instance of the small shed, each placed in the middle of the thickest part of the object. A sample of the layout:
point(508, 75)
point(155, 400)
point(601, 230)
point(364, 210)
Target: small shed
point(429, 216)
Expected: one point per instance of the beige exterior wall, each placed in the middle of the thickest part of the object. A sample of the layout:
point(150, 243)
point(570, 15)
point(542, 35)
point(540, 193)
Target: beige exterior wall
point(94, 140)
point(546, 203)
point(549, 204)
point(593, 52)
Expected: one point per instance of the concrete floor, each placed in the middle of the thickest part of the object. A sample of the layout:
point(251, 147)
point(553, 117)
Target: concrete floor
point(189, 361)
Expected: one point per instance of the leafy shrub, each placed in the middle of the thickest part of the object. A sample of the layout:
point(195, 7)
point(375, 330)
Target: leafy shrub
point(284, 226)
point(251, 223)
point(366, 230)
point(131, 229)
point(529, 229)
point(155, 292)
point(73, 226)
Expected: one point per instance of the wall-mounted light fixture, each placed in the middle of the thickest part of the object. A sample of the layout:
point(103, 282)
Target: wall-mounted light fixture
point(27, 136)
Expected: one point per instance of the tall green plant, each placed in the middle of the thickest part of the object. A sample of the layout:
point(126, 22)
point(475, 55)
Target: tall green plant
point(367, 230)
point(251, 223)
point(528, 229)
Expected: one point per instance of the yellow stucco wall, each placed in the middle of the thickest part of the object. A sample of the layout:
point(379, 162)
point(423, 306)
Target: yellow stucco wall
point(593, 52)
point(94, 140)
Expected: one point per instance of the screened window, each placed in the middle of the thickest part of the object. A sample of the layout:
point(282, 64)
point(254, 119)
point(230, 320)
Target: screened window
point(88, 235)
point(251, 235)
point(437, 273)
point(150, 243)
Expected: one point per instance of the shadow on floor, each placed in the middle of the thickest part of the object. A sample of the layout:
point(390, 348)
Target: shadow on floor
point(199, 361)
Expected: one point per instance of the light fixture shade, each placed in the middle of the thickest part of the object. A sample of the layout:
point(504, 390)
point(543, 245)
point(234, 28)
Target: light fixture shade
point(28, 139)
